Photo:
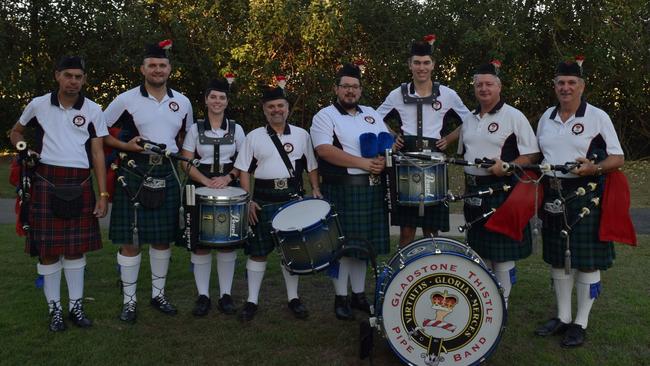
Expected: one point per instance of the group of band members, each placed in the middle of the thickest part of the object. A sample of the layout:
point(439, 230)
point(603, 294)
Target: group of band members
point(273, 158)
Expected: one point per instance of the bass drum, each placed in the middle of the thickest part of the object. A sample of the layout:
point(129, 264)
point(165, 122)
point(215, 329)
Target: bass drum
point(437, 303)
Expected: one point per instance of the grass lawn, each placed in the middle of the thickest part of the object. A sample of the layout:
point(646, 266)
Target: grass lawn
point(618, 328)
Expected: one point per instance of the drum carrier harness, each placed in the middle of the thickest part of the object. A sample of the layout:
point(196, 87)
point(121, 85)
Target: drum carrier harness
point(419, 101)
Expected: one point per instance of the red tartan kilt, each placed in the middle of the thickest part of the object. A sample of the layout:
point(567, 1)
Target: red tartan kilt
point(54, 236)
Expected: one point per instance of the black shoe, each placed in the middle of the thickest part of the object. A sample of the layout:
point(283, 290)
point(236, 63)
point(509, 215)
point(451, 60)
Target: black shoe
point(78, 316)
point(161, 302)
point(225, 305)
point(574, 336)
point(342, 308)
point(128, 313)
point(248, 312)
point(56, 320)
point(298, 309)
point(202, 306)
point(360, 302)
point(552, 327)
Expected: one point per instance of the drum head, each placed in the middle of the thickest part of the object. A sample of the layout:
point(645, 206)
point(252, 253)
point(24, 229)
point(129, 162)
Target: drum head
point(443, 304)
point(301, 214)
point(221, 193)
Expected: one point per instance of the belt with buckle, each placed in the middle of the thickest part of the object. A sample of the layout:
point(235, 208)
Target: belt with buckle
point(353, 180)
point(148, 159)
point(278, 183)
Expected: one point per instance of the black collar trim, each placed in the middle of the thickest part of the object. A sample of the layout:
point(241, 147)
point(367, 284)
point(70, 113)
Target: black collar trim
point(286, 131)
point(497, 107)
point(54, 100)
point(145, 93)
point(579, 113)
point(341, 110)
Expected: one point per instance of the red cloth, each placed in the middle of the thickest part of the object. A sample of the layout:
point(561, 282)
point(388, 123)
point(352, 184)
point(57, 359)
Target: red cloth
point(511, 218)
point(110, 173)
point(14, 172)
point(19, 225)
point(615, 222)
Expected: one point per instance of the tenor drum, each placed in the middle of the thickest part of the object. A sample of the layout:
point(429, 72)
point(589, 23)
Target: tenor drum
point(420, 181)
point(438, 304)
point(223, 216)
point(307, 234)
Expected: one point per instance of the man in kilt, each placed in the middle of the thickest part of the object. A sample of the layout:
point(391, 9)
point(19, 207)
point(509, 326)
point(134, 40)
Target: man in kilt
point(575, 130)
point(64, 212)
point(147, 211)
point(425, 110)
point(500, 132)
point(273, 187)
point(349, 185)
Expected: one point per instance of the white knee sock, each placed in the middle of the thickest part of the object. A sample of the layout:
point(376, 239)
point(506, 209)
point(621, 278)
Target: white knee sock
point(255, 272)
point(358, 269)
point(74, 276)
point(129, 268)
point(587, 289)
point(202, 267)
point(563, 286)
point(159, 260)
point(226, 270)
point(341, 283)
point(51, 283)
point(503, 272)
point(291, 283)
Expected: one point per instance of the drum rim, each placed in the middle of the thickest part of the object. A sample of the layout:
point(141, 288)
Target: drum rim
point(379, 309)
point(306, 228)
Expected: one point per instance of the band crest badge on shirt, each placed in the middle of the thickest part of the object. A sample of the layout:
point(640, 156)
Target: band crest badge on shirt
point(369, 119)
point(578, 128)
point(288, 147)
point(493, 127)
point(79, 120)
point(436, 105)
point(174, 106)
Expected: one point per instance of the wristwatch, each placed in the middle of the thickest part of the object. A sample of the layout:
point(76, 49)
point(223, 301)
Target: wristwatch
point(104, 194)
point(599, 169)
point(232, 176)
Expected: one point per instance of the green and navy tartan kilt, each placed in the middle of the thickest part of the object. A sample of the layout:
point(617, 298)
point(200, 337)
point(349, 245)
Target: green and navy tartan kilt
point(52, 236)
point(587, 251)
point(362, 213)
point(261, 243)
point(155, 226)
point(436, 217)
point(488, 244)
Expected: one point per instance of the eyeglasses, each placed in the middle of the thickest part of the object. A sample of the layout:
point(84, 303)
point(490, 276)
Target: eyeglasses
point(349, 87)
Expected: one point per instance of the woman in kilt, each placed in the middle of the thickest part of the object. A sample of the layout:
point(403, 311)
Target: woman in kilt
point(63, 212)
point(500, 132)
point(216, 141)
point(575, 130)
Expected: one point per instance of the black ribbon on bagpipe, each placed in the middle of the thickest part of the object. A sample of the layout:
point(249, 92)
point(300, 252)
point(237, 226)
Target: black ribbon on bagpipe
point(27, 161)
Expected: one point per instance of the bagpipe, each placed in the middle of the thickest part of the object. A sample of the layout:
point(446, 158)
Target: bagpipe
point(150, 190)
point(22, 171)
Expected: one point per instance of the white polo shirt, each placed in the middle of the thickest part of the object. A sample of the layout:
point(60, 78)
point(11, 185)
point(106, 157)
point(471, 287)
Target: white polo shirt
point(588, 130)
point(137, 111)
point(333, 125)
point(64, 134)
point(226, 152)
point(433, 119)
point(504, 132)
point(259, 156)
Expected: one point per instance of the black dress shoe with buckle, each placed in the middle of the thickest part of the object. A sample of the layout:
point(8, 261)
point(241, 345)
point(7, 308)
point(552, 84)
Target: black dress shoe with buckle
point(360, 302)
point(342, 308)
point(248, 312)
point(202, 306)
point(161, 303)
point(552, 327)
point(78, 316)
point(225, 305)
point(574, 336)
point(56, 320)
point(128, 313)
point(298, 309)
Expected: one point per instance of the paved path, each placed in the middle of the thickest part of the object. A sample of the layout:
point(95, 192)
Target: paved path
point(640, 218)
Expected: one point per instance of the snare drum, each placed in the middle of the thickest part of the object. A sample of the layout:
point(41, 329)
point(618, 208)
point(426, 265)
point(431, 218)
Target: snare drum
point(223, 216)
point(436, 301)
point(418, 181)
point(307, 234)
